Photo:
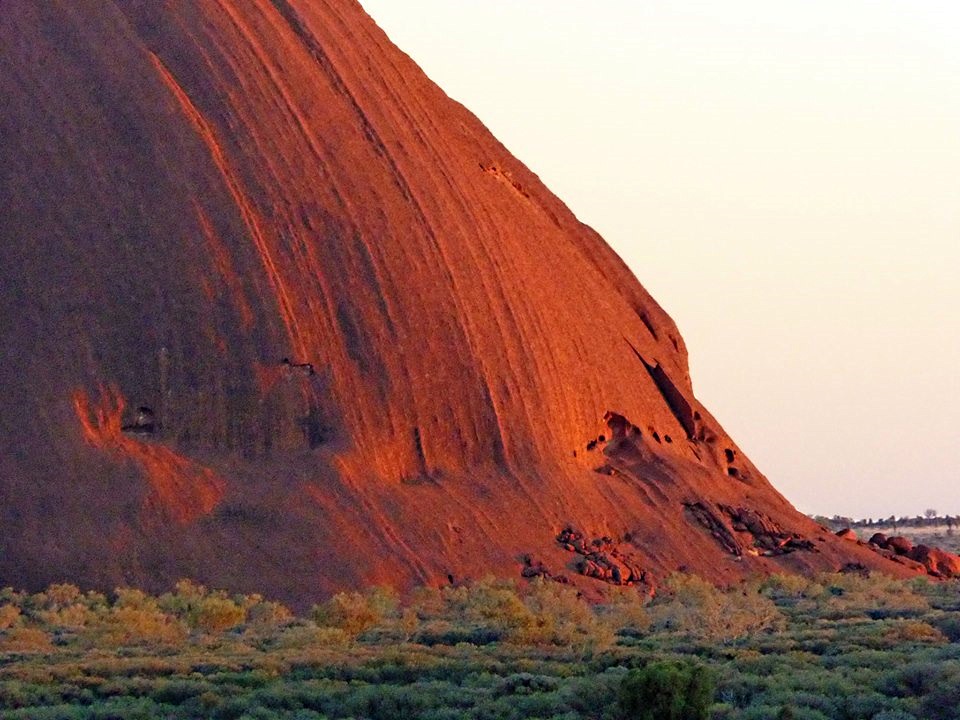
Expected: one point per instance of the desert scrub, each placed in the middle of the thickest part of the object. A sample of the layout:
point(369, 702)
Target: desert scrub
point(691, 606)
point(355, 613)
point(202, 609)
point(851, 595)
point(134, 618)
point(493, 650)
point(667, 691)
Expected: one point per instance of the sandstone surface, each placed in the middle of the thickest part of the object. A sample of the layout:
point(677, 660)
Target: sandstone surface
point(279, 315)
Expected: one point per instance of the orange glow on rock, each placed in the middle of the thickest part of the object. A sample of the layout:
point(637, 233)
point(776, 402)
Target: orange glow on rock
point(324, 273)
point(180, 489)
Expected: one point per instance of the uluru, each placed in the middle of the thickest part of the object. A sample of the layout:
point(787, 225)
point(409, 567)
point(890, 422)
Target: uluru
point(279, 315)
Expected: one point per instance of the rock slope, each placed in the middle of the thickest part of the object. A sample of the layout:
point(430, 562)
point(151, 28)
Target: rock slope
point(278, 314)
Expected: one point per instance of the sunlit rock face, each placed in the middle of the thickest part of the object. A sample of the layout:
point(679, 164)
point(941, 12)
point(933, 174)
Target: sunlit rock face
point(279, 315)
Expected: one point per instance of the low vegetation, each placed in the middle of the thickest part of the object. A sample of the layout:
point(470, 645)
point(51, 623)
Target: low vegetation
point(837, 646)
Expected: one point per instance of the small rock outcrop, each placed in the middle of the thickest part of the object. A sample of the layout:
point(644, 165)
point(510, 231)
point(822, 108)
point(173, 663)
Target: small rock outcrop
point(601, 558)
point(936, 562)
point(745, 531)
point(534, 568)
point(900, 545)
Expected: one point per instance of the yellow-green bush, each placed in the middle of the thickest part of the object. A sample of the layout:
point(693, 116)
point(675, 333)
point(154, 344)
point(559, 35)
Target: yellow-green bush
point(560, 617)
point(134, 618)
point(299, 637)
point(9, 616)
point(912, 631)
point(625, 610)
point(782, 586)
point(216, 613)
point(25, 639)
point(355, 613)
point(491, 602)
point(202, 609)
point(693, 606)
point(135, 626)
point(852, 594)
point(265, 614)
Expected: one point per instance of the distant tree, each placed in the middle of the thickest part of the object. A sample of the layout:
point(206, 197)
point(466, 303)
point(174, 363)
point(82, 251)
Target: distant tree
point(822, 520)
point(931, 515)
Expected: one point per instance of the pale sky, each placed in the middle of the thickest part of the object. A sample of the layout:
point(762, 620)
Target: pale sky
point(784, 178)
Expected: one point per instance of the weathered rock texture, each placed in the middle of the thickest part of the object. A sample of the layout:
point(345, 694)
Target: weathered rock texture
point(932, 560)
point(277, 314)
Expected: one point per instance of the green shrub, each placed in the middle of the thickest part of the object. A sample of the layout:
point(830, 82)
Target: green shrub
point(53, 712)
point(912, 680)
point(949, 625)
point(525, 684)
point(444, 632)
point(769, 712)
point(667, 691)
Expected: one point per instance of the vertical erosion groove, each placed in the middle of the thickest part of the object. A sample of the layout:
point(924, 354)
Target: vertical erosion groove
point(422, 222)
point(247, 212)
